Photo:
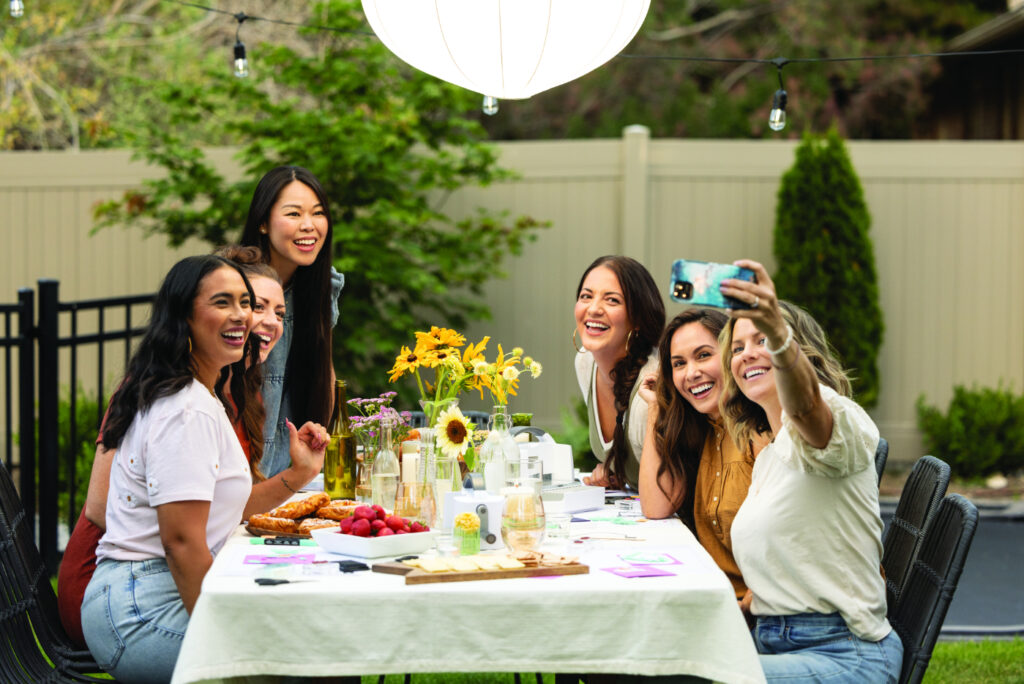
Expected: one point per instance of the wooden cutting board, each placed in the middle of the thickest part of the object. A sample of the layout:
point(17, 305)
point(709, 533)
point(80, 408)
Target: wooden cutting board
point(417, 576)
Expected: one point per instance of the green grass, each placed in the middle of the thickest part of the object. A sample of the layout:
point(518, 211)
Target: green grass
point(976, 662)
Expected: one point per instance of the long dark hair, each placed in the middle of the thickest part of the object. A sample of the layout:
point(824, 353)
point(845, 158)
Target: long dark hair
point(308, 369)
point(250, 261)
point(646, 313)
point(681, 430)
point(162, 365)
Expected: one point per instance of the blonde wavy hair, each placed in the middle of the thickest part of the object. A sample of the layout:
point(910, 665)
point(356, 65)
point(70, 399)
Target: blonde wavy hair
point(743, 418)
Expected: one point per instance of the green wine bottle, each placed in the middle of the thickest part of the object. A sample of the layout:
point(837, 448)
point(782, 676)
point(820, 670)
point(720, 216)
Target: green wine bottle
point(340, 459)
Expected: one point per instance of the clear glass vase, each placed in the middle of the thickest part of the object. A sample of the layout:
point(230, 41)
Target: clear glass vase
point(498, 449)
point(433, 409)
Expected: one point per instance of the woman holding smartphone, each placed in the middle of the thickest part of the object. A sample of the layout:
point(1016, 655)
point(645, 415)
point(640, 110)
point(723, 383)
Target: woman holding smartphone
point(808, 536)
point(290, 221)
point(619, 317)
point(690, 465)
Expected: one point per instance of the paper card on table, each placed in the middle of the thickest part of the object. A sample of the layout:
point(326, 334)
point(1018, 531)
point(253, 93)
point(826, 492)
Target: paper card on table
point(292, 559)
point(639, 571)
point(649, 558)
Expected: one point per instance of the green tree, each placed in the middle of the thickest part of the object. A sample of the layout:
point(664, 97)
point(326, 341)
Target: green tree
point(825, 256)
point(389, 144)
point(681, 98)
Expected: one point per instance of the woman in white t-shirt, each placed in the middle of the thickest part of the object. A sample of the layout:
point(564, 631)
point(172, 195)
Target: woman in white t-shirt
point(179, 483)
point(808, 536)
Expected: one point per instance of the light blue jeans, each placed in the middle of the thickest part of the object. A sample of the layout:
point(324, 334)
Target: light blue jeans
point(821, 648)
point(134, 620)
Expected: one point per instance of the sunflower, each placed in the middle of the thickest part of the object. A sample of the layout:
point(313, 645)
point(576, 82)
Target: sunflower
point(407, 361)
point(439, 337)
point(454, 434)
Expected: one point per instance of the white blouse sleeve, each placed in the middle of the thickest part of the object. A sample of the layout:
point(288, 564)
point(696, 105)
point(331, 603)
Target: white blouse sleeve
point(850, 449)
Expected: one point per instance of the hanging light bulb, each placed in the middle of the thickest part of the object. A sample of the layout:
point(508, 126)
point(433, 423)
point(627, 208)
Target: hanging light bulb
point(777, 117)
point(241, 63)
point(490, 105)
point(17, 8)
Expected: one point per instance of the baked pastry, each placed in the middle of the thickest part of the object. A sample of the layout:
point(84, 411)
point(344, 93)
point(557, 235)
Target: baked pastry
point(271, 523)
point(307, 525)
point(303, 507)
point(338, 510)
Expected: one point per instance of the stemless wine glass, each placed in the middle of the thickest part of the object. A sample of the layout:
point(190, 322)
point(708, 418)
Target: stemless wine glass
point(415, 501)
point(522, 518)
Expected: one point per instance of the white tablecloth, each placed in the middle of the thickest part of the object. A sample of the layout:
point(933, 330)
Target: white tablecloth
point(372, 623)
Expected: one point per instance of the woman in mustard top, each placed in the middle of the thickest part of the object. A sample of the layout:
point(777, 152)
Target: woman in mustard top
point(690, 465)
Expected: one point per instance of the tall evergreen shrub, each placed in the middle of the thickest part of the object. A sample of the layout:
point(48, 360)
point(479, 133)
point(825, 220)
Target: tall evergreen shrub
point(825, 258)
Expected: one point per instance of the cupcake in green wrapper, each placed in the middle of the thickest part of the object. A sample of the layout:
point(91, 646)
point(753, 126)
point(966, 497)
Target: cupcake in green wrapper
point(466, 533)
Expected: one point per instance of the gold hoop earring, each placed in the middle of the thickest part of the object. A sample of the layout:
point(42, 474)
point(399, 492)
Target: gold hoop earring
point(629, 338)
point(263, 229)
point(189, 344)
point(574, 346)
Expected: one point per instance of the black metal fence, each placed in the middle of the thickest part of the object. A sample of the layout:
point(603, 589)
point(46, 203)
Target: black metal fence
point(39, 464)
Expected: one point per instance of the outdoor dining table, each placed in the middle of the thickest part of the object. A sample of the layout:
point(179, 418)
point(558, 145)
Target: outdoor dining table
point(681, 617)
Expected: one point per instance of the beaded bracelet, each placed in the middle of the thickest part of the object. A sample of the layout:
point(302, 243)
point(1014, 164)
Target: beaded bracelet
point(785, 345)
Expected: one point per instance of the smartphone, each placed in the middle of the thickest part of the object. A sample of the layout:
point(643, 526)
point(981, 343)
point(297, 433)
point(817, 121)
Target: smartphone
point(697, 283)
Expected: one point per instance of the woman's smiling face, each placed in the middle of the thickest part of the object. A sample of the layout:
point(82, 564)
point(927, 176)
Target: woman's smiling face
point(268, 313)
point(696, 368)
point(751, 363)
point(601, 318)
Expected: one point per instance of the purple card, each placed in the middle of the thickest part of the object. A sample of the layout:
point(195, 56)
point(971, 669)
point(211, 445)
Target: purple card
point(639, 571)
point(296, 559)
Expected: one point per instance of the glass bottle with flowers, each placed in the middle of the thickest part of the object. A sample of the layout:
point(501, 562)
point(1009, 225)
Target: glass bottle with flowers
point(501, 378)
point(367, 427)
point(439, 350)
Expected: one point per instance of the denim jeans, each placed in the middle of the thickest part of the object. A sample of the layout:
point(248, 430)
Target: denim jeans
point(134, 620)
point(821, 648)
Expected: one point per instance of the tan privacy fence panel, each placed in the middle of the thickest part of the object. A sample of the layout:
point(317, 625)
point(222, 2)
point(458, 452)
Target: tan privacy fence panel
point(947, 228)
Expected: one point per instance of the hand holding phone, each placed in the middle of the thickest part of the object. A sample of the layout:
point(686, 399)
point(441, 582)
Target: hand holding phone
point(698, 282)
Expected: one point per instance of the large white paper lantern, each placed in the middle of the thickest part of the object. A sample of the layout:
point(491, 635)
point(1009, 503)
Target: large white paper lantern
point(508, 49)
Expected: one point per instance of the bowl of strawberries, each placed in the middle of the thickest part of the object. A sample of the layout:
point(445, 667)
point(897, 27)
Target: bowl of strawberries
point(370, 532)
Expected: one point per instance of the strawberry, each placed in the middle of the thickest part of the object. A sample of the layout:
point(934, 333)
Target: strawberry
point(377, 525)
point(395, 523)
point(385, 532)
point(380, 512)
point(364, 513)
point(361, 528)
point(416, 526)
point(400, 531)
point(346, 525)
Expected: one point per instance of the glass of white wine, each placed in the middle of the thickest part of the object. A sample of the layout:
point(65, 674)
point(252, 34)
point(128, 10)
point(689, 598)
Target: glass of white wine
point(523, 523)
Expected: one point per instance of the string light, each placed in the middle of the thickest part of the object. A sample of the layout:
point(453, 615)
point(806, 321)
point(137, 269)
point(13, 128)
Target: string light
point(777, 117)
point(17, 8)
point(241, 63)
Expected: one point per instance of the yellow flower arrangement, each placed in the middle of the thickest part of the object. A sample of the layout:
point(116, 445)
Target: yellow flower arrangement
point(454, 433)
point(502, 376)
point(439, 350)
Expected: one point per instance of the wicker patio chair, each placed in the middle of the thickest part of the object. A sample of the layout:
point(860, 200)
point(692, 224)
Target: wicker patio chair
point(930, 585)
point(921, 495)
point(29, 620)
point(881, 456)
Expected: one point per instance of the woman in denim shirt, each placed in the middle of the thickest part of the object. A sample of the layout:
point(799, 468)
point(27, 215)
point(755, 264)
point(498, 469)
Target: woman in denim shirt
point(290, 221)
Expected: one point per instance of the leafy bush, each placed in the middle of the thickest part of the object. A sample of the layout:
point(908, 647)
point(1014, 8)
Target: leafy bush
point(389, 144)
point(82, 450)
point(981, 433)
point(825, 257)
